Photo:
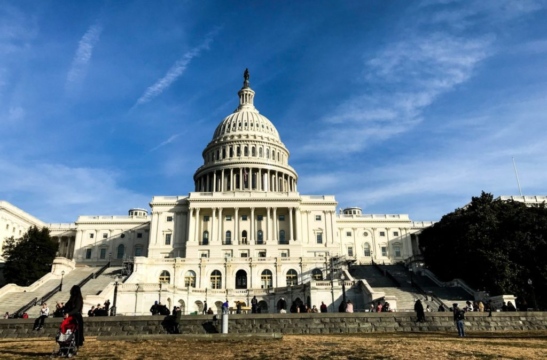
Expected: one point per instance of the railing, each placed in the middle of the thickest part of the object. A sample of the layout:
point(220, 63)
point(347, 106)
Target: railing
point(25, 308)
point(50, 294)
point(94, 275)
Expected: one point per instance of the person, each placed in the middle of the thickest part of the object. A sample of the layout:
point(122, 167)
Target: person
point(254, 304)
point(419, 308)
point(314, 309)
point(178, 315)
point(154, 309)
point(490, 307)
point(238, 307)
point(481, 306)
point(282, 306)
point(510, 306)
point(427, 309)
point(379, 307)
point(210, 311)
point(25, 316)
point(59, 310)
point(44, 313)
point(107, 305)
point(349, 307)
point(225, 307)
point(372, 308)
point(73, 308)
point(386, 308)
point(459, 317)
point(205, 307)
point(441, 308)
point(6, 315)
point(323, 307)
point(91, 311)
point(343, 306)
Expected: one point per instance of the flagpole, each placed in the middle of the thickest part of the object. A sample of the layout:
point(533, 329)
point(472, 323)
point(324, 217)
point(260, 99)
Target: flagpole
point(517, 176)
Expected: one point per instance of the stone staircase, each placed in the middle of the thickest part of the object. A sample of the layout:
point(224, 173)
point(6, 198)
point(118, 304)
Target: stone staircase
point(96, 286)
point(448, 295)
point(371, 274)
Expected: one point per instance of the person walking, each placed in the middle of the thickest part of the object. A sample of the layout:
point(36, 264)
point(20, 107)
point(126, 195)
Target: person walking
point(73, 307)
point(205, 307)
point(44, 313)
point(459, 317)
point(419, 308)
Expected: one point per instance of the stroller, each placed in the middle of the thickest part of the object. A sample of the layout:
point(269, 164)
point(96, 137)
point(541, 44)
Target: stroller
point(66, 339)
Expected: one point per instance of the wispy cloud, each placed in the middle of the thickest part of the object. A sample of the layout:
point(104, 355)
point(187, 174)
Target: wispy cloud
point(82, 57)
point(178, 68)
point(168, 141)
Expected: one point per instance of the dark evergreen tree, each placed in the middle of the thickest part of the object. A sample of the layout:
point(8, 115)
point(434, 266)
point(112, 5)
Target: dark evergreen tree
point(493, 245)
point(30, 257)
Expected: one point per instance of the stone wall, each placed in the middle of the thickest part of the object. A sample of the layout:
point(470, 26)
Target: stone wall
point(329, 323)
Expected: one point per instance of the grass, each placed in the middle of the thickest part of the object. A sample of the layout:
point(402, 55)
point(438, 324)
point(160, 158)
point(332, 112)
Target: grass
point(484, 346)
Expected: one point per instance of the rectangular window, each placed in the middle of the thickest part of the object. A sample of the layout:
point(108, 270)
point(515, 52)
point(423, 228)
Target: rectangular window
point(281, 217)
point(88, 254)
point(348, 233)
point(319, 238)
point(103, 254)
point(167, 239)
point(244, 255)
point(350, 251)
point(169, 218)
point(259, 218)
point(262, 254)
point(91, 235)
point(139, 235)
point(206, 218)
point(382, 233)
point(228, 254)
point(243, 217)
point(228, 218)
point(105, 235)
point(397, 251)
point(285, 253)
point(318, 217)
point(384, 251)
point(395, 233)
point(138, 251)
point(205, 254)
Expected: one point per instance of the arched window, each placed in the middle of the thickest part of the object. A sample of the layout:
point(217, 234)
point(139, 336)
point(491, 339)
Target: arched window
point(317, 274)
point(367, 249)
point(282, 237)
point(259, 237)
point(244, 237)
point(165, 277)
point(266, 279)
point(205, 240)
point(273, 155)
point(238, 151)
point(292, 277)
point(121, 251)
point(190, 279)
point(228, 238)
point(267, 153)
point(231, 152)
point(241, 279)
point(246, 151)
point(216, 280)
point(259, 152)
point(253, 151)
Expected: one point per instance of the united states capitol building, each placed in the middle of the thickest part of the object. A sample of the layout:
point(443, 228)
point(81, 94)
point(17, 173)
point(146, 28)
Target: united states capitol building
point(243, 231)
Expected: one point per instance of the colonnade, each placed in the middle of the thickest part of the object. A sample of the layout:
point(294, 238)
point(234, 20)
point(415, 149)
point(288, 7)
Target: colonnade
point(66, 246)
point(245, 178)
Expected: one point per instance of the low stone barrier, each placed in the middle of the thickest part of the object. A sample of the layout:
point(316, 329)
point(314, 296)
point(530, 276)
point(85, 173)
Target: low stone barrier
point(329, 323)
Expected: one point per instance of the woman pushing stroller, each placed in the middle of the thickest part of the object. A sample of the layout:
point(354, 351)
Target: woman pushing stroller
point(73, 308)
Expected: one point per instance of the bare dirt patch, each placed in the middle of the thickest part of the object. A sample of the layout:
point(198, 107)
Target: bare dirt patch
point(529, 345)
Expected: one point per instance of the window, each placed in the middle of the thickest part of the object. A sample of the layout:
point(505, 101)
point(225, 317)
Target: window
point(228, 254)
point(205, 239)
point(139, 235)
point(253, 150)
point(204, 254)
point(317, 217)
point(228, 217)
point(102, 255)
point(167, 239)
point(292, 277)
point(244, 254)
point(262, 254)
point(367, 249)
point(281, 217)
point(243, 217)
point(246, 151)
point(190, 279)
point(317, 274)
point(206, 218)
point(88, 253)
point(395, 233)
point(138, 251)
point(397, 251)
point(319, 237)
point(121, 251)
point(241, 279)
point(228, 238)
point(91, 235)
point(243, 237)
point(348, 233)
point(384, 251)
point(259, 237)
point(266, 279)
point(216, 280)
point(165, 277)
point(259, 217)
point(169, 218)
point(260, 152)
point(350, 251)
point(105, 235)
point(282, 237)
point(382, 233)
point(284, 253)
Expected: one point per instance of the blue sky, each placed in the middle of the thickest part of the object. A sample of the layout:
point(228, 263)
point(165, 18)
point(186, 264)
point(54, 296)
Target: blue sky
point(393, 106)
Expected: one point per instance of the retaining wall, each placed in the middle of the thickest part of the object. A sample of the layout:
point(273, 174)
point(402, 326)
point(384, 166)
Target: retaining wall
point(329, 323)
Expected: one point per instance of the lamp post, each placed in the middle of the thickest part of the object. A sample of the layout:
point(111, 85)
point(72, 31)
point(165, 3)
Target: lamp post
point(533, 293)
point(109, 258)
point(62, 276)
point(159, 300)
point(343, 278)
point(113, 310)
